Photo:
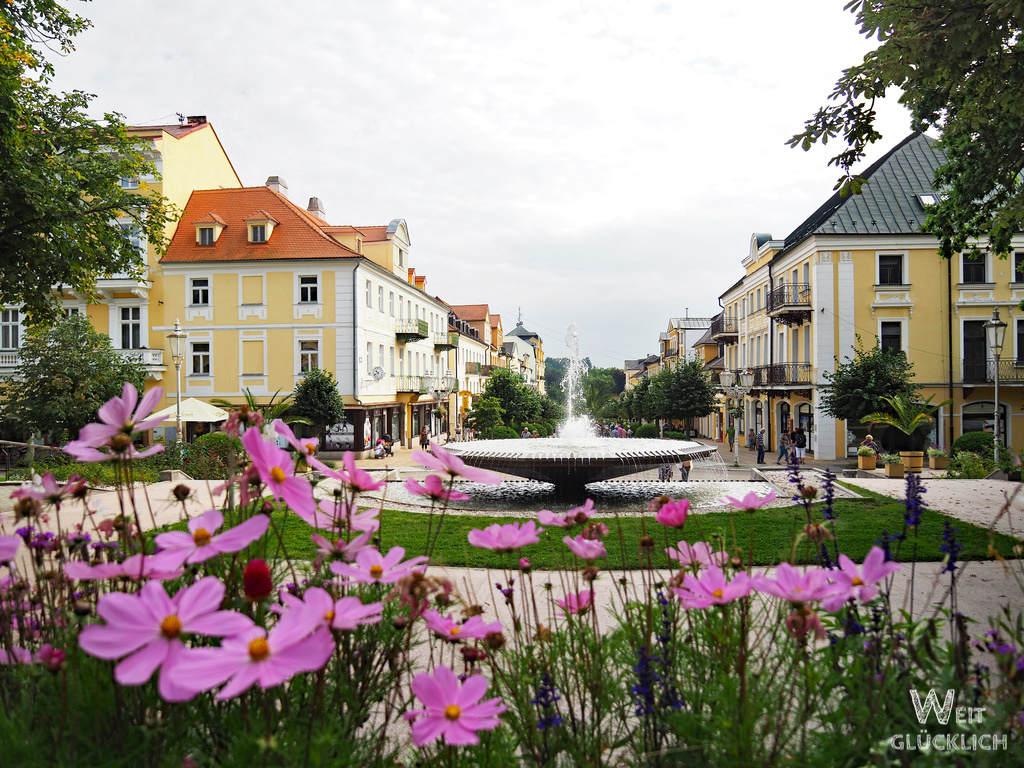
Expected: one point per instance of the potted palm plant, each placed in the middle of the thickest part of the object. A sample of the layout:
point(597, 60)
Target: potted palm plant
point(937, 457)
point(866, 458)
point(908, 417)
point(893, 465)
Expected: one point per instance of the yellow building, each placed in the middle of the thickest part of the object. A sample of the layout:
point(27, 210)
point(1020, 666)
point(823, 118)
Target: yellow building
point(859, 266)
point(186, 156)
point(267, 290)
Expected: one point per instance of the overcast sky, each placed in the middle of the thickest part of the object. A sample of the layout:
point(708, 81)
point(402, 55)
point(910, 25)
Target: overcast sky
point(596, 161)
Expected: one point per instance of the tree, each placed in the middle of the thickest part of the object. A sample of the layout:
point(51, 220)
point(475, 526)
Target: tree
point(65, 219)
point(486, 416)
point(520, 403)
point(317, 399)
point(639, 402)
point(859, 387)
point(65, 372)
point(683, 391)
point(960, 71)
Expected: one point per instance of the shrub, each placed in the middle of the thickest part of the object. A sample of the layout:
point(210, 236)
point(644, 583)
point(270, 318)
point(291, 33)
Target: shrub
point(504, 433)
point(98, 474)
point(975, 442)
point(967, 465)
point(677, 436)
point(211, 456)
point(646, 430)
point(891, 458)
point(865, 450)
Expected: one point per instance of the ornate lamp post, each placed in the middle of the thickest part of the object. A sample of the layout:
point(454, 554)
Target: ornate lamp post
point(177, 340)
point(727, 380)
point(995, 333)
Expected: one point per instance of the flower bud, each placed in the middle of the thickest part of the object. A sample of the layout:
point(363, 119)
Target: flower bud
point(181, 492)
point(121, 443)
point(266, 508)
point(82, 608)
point(494, 640)
point(817, 533)
point(647, 543)
point(590, 573)
point(808, 492)
point(256, 580)
point(736, 562)
point(400, 622)
point(524, 565)
point(471, 655)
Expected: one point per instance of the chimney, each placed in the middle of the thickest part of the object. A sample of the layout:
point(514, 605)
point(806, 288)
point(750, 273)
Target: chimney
point(278, 184)
point(316, 207)
point(196, 119)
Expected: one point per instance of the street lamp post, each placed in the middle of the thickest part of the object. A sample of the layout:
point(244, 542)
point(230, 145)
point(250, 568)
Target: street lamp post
point(995, 333)
point(177, 340)
point(727, 380)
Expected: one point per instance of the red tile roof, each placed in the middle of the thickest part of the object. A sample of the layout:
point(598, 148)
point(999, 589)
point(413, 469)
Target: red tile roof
point(374, 234)
point(210, 218)
point(297, 235)
point(470, 312)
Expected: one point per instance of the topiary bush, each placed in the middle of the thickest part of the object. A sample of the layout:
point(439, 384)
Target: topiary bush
point(504, 433)
point(646, 430)
point(212, 455)
point(975, 442)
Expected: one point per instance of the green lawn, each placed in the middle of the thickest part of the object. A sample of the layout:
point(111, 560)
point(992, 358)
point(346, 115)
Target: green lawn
point(858, 526)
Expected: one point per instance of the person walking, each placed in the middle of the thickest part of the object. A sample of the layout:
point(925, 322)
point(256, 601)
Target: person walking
point(684, 470)
point(751, 439)
point(730, 435)
point(784, 443)
point(424, 438)
point(760, 447)
point(800, 445)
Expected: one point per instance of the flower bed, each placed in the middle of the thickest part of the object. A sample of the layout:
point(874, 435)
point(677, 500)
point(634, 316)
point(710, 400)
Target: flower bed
point(215, 645)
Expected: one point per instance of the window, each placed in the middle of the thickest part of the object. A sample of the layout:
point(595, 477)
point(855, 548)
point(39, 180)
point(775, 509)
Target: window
point(380, 298)
point(369, 357)
point(891, 337)
point(391, 303)
point(309, 355)
point(257, 233)
point(200, 291)
point(1018, 267)
point(10, 329)
point(71, 311)
point(973, 269)
point(369, 294)
point(1020, 342)
point(206, 235)
point(133, 234)
point(308, 289)
point(131, 328)
point(890, 269)
point(200, 358)
point(129, 182)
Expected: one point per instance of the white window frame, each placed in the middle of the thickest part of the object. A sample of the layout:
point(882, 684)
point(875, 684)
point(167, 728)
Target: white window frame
point(986, 264)
point(903, 331)
point(206, 234)
point(133, 325)
point(195, 354)
point(308, 358)
point(904, 268)
point(257, 229)
point(10, 329)
point(369, 294)
point(193, 289)
point(307, 308)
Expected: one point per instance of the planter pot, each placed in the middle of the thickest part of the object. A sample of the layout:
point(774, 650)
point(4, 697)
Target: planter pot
point(894, 470)
point(867, 462)
point(912, 460)
point(938, 462)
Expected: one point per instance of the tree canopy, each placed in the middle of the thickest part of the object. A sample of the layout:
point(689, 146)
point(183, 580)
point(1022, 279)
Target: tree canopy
point(860, 386)
point(65, 219)
point(683, 391)
point(960, 71)
point(521, 403)
point(317, 399)
point(65, 372)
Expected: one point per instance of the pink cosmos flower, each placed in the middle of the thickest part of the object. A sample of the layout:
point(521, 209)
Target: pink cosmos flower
point(157, 566)
point(346, 550)
point(804, 620)
point(450, 629)
point(851, 583)
point(9, 548)
point(201, 543)
point(145, 628)
point(586, 549)
point(505, 538)
point(306, 446)
point(450, 464)
point(343, 516)
point(278, 471)
point(793, 586)
point(17, 655)
point(356, 479)
point(575, 516)
point(700, 555)
point(712, 588)
point(45, 488)
point(452, 710)
point(751, 501)
point(433, 487)
point(118, 416)
point(673, 514)
point(298, 643)
point(373, 568)
point(576, 603)
point(346, 613)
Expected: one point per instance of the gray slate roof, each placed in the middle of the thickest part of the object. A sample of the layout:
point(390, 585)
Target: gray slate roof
point(888, 203)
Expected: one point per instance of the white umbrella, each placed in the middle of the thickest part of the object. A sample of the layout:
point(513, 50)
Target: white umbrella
point(193, 410)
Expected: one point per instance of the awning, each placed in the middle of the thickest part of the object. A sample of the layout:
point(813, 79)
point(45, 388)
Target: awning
point(193, 410)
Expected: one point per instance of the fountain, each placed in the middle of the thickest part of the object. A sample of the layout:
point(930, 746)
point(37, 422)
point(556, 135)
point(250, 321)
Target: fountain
point(577, 456)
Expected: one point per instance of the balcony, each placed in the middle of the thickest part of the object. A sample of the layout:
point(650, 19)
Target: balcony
point(419, 385)
point(983, 371)
point(411, 330)
point(474, 368)
point(781, 375)
point(724, 329)
point(446, 341)
point(790, 304)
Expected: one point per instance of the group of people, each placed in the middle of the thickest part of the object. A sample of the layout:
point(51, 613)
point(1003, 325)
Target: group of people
point(615, 430)
point(791, 441)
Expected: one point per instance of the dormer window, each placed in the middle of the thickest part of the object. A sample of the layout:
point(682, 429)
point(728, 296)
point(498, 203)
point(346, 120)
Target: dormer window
point(208, 229)
point(261, 226)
